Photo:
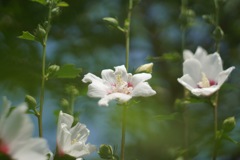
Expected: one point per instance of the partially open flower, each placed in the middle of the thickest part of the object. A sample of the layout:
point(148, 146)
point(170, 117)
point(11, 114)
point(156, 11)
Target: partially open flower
point(72, 140)
point(118, 85)
point(16, 141)
point(203, 74)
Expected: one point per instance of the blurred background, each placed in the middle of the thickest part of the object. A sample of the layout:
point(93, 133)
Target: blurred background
point(155, 127)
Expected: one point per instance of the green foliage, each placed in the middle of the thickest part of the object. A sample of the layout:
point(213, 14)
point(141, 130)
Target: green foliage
point(43, 2)
point(171, 116)
point(62, 4)
point(106, 152)
point(68, 71)
point(27, 36)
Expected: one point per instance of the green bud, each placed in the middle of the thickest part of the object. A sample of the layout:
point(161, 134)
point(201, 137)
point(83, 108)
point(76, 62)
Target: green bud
point(218, 33)
point(32, 103)
point(112, 22)
point(187, 17)
point(72, 90)
point(56, 11)
point(64, 103)
point(229, 124)
point(209, 19)
point(53, 69)
point(145, 68)
point(106, 151)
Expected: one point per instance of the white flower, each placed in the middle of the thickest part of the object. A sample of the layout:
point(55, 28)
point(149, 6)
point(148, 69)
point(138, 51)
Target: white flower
point(118, 85)
point(145, 68)
point(203, 74)
point(16, 135)
point(72, 141)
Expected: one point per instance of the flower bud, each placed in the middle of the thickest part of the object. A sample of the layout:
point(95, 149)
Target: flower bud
point(105, 151)
point(229, 124)
point(111, 21)
point(72, 90)
point(145, 68)
point(218, 33)
point(64, 103)
point(52, 69)
point(32, 103)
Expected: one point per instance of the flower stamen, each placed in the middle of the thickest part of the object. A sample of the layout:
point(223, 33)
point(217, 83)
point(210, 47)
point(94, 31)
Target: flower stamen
point(205, 83)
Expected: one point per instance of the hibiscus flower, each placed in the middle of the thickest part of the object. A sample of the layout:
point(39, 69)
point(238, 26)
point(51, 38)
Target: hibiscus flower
point(16, 141)
point(203, 74)
point(118, 85)
point(72, 140)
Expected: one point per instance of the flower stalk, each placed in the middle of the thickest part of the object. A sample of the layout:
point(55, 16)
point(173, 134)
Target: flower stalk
point(215, 113)
point(127, 36)
point(217, 23)
point(44, 45)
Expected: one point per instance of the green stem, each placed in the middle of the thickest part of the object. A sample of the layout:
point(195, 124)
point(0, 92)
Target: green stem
point(217, 44)
point(127, 36)
point(215, 106)
point(44, 45)
point(124, 112)
point(72, 100)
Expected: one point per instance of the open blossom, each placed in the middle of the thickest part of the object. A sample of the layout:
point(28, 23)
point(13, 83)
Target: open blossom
point(16, 140)
point(72, 140)
point(118, 85)
point(203, 74)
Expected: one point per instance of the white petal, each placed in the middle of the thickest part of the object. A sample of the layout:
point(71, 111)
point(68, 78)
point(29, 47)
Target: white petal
point(66, 119)
point(109, 76)
point(91, 78)
point(64, 138)
point(18, 126)
point(141, 77)
point(193, 68)
point(80, 129)
point(119, 96)
point(97, 88)
point(122, 71)
point(80, 150)
point(212, 66)
point(5, 110)
point(200, 54)
point(143, 89)
point(187, 54)
point(222, 77)
point(205, 91)
point(187, 82)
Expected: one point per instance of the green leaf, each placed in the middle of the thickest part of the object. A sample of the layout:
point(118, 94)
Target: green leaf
point(167, 117)
point(43, 2)
point(62, 4)
point(27, 36)
point(68, 71)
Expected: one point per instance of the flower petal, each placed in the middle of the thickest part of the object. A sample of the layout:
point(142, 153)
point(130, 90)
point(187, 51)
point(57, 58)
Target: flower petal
point(222, 77)
point(212, 66)
point(143, 89)
point(193, 68)
point(187, 82)
point(64, 138)
point(66, 119)
point(119, 96)
point(109, 76)
point(80, 132)
point(23, 127)
point(205, 91)
point(122, 71)
point(97, 88)
point(187, 54)
point(200, 54)
point(141, 77)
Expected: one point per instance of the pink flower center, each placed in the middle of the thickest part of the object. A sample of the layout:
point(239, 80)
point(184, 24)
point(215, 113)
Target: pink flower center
point(121, 86)
point(205, 82)
point(4, 149)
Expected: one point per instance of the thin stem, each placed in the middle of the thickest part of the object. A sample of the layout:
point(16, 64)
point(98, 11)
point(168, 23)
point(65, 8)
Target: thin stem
point(217, 44)
point(44, 71)
point(127, 36)
point(215, 106)
point(124, 113)
point(72, 100)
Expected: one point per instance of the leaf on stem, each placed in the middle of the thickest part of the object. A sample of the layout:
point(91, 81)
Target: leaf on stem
point(68, 71)
point(27, 36)
point(62, 4)
point(43, 2)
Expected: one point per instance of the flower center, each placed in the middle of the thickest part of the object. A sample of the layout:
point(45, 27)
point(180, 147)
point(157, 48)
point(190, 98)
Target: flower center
point(75, 139)
point(4, 149)
point(205, 83)
point(121, 86)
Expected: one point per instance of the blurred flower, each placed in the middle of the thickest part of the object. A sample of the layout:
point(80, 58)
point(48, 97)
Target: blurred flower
point(71, 141)
point(118, 85)
point(16, 140)
point(203, 74)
